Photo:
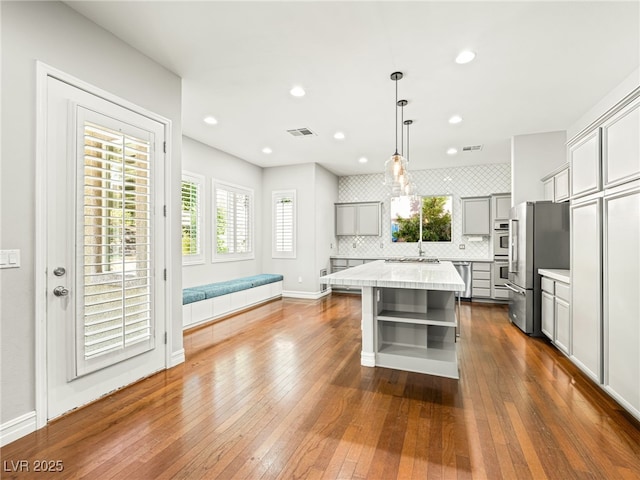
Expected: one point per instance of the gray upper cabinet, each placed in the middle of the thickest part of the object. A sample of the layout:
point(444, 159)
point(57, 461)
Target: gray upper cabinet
point(584, 160)
point(621, 146)
point(476, 215)
point(501, 206)
point(358, 218)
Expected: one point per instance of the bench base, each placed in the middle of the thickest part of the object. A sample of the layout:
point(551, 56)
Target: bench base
point(204, 311)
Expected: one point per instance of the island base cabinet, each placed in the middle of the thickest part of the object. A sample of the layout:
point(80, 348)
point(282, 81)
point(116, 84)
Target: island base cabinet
point(621, 297)
point(416, 331)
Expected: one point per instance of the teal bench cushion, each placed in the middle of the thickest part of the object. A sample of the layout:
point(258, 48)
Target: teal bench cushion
point(189, 296)
point(224, 288)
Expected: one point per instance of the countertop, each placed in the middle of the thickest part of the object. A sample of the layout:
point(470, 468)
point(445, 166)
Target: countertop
point(556, 274)
point(422, 276)
point(447, 259)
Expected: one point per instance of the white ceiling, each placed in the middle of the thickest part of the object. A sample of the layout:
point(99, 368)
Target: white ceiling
point(539, 67)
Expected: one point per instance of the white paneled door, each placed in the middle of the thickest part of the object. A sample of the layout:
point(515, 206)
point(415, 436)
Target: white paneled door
point(104, 247)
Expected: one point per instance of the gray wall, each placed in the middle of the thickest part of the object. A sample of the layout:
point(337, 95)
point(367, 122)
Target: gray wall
point(316, 191)
point(215, 164)
point(326, 184)
point(56, 35)
point(532, 157)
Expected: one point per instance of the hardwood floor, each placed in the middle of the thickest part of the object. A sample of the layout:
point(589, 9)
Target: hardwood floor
point(287, 398)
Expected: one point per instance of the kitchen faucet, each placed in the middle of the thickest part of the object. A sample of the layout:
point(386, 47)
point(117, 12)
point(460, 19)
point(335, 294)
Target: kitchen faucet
point(420, 251)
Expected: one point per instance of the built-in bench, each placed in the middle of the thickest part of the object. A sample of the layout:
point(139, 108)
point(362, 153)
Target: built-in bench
point(204, 303)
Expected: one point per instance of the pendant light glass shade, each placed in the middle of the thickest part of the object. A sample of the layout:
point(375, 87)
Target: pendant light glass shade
point(395, 169)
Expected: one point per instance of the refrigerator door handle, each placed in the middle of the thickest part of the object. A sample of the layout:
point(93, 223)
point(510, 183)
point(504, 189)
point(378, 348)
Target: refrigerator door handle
point(515, 290)
point(513, 245)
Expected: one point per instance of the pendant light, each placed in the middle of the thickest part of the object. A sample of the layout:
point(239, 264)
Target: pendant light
point(396, 166)
point(409, 188)
point(404, 177)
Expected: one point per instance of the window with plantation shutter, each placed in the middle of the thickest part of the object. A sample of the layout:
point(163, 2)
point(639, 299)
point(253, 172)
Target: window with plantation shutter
point(284, 224)
point(192, 218)
point(233, 210)
point(115, 285)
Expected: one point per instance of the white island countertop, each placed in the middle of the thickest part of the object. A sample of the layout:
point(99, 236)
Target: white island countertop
point(556, 274)
point(414, 275)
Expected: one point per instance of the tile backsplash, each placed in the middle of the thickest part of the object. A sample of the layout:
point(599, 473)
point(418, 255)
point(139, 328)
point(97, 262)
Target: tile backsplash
point(471, 181)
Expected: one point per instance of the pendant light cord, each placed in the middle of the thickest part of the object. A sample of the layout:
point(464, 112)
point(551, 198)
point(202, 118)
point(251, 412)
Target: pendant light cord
point(396, 124)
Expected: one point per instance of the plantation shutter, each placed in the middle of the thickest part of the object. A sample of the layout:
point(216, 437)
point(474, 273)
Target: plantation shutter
point(115, 280)
point(192, 215)
point(284, 224)
point(233, 222)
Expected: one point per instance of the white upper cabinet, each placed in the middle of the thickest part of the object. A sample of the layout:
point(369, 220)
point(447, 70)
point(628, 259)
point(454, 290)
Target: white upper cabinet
point(476, 215)
point(549, 189)
point(501, 206)
point(561, 186)
point(621, 146)
point(584, 159)
point(358, 218)
point(556, 184)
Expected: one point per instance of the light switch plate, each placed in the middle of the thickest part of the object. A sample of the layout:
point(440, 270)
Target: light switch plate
point(9, 258)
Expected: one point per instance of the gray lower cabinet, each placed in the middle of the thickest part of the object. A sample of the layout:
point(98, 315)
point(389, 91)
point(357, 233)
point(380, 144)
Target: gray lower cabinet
point(339, 264)
point(555, 313)
point(481, 280)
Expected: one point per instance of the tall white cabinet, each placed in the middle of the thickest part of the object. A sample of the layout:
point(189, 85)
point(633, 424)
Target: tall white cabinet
point(586, 286)
point(622, 295)
point(605, 251)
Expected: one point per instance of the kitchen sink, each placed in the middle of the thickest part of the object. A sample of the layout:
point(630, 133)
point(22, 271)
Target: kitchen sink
point(412, 260)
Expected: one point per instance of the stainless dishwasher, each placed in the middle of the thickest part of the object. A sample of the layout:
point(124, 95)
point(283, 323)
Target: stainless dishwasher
point(464, 270)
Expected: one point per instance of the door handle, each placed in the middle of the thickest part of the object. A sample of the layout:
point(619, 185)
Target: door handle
point(60, 291)
point(514, 290)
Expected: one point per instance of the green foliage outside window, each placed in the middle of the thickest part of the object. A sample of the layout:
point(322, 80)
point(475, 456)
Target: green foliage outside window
point(435, 215)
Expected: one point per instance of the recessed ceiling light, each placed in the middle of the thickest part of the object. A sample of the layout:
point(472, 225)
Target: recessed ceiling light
point(363, 159)
point(452, 151)
point(297, 91)
point(267, 150)
point(455, 119)
point(465, 56)
point(209, 120)
point(338, 136)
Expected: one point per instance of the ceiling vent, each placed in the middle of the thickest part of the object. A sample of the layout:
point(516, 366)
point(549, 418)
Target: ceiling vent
point(301, 132)
point(472, 148)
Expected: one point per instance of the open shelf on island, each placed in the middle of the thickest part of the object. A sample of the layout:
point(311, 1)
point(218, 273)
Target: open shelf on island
point(415, 330)
point(436, 316)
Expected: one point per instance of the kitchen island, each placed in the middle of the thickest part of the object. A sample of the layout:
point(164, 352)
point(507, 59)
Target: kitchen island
point(409, 317)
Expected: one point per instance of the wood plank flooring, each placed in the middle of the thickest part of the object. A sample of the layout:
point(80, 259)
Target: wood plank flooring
point(287, 398)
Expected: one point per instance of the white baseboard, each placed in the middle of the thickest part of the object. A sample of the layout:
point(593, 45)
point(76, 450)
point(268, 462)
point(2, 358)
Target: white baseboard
point(367, 359)
point(176, 358)
point(17, 428)
point(305, 295)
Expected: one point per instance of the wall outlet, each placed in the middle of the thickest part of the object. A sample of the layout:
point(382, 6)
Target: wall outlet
point(354, 244)
point(462, 246)
point(381, 244)
point(299, 279)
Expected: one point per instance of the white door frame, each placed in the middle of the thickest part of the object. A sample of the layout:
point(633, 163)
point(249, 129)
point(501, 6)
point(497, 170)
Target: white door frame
point(43, 71)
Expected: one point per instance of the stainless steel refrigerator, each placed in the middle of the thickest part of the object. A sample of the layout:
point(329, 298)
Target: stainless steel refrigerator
point(538, 238)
